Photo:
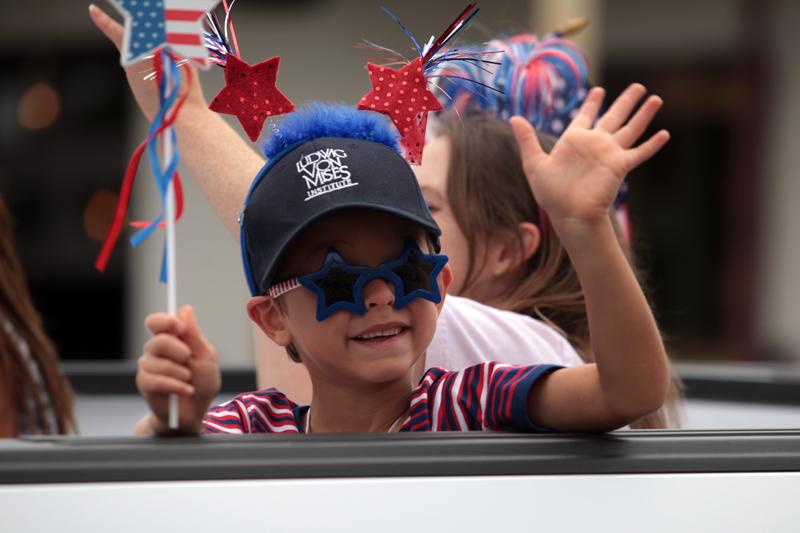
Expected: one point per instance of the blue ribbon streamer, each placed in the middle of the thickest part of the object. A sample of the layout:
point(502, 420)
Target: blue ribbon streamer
point(167, 94)
point(403, 27)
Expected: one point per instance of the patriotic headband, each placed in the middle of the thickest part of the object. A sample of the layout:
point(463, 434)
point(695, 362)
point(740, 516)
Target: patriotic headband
point(402, 93)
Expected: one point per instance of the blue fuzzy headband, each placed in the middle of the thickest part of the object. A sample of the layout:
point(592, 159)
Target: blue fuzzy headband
point(330, 120)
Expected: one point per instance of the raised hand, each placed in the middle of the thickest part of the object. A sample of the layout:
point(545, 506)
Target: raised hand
point(177, 360)
point(577, 182)
point(144, 91)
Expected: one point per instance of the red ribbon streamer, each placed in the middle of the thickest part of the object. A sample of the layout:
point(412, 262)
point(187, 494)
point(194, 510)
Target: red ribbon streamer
point(130, 176)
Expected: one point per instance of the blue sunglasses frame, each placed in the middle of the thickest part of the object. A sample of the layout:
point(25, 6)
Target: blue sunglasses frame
point(363, 275)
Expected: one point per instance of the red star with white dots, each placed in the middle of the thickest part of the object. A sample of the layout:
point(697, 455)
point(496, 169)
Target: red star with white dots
point(250, 94)
point(403, 95)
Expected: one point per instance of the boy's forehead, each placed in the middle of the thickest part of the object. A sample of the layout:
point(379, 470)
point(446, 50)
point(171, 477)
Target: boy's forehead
point(352, 230)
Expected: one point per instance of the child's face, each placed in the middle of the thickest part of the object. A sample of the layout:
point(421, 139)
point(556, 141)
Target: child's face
point(432, 177)
point(377, 347)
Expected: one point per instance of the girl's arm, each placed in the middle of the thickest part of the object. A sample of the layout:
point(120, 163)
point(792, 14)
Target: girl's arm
point(576, 185)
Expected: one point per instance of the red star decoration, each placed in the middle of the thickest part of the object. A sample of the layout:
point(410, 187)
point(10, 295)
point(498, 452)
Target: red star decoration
point(403, 95)
point(250, 94)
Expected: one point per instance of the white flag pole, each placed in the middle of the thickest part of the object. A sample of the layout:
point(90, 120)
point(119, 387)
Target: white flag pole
point(172, 292)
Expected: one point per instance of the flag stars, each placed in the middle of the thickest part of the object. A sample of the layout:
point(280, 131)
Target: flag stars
point(146, 25)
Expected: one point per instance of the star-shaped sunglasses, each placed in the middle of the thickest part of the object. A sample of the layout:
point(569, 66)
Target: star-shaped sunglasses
point(339, 286)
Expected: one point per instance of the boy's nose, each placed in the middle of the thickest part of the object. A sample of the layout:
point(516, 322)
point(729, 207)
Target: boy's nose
point(378, 292)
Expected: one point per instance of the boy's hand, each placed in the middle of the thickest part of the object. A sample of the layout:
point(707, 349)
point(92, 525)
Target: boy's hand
point(577, 182)
point(177, 360)
point(144, 91)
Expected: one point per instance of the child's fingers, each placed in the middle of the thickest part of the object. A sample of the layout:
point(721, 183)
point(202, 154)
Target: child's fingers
point(169, 347)
point(646, 150)
point(165, 367)
point(636, 126)
point(192, 336)
point(587, 113)
point(148, 384)
point(164, 323)
point(621, 109)
point(527, 140)
point(110, 28)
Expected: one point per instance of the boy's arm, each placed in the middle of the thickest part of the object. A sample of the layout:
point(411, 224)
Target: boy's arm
point(222, 163)
point(576, 185)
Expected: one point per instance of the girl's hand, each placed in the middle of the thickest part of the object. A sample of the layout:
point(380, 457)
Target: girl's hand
point(177, 360)
point(577, 182)
point(144, 91)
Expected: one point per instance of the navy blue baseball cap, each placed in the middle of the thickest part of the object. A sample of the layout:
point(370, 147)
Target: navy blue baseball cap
point(322, 160)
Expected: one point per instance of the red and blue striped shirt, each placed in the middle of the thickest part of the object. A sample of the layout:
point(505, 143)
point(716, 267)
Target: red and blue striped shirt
point(488, 396)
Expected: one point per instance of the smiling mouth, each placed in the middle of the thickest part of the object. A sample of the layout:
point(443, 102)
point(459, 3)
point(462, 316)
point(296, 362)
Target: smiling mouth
point(382, 335)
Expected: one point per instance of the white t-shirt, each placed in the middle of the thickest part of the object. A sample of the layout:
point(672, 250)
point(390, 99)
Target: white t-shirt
point(469, 333)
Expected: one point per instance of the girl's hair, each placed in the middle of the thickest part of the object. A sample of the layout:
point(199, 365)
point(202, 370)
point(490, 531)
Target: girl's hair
point(489, 195)
point(23, 330)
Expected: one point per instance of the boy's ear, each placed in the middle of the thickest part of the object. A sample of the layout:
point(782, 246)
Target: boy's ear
point(264, 311)
point(505, 254)
point(446, 278)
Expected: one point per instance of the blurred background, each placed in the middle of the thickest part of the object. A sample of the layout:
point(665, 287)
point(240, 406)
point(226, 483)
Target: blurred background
point(714, 215)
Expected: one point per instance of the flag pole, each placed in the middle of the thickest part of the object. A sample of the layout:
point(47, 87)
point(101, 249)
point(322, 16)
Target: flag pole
point(172, 293)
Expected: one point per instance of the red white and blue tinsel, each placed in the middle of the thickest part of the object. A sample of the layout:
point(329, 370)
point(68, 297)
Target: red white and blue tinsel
point(220, 39)
point(544, 80)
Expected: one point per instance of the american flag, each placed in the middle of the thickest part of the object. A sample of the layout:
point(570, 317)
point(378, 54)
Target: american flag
point(150, 24)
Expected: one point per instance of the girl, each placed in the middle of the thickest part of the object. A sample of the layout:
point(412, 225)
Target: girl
point(501, 248)
point(34, 396)
point(501, 253)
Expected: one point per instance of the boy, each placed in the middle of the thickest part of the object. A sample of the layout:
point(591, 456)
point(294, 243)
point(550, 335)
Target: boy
point(339, 251)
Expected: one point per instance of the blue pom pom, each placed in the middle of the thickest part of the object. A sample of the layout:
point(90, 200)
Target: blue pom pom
point(331, 120)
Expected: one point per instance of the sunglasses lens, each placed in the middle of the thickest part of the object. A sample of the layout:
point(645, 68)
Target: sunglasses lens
point(415, 274)
point(337, 286)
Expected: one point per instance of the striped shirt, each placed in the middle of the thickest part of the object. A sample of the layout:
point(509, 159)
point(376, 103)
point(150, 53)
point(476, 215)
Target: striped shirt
point(484, 397)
